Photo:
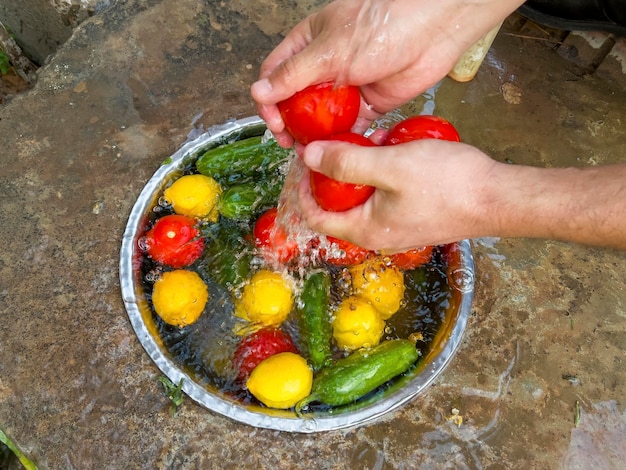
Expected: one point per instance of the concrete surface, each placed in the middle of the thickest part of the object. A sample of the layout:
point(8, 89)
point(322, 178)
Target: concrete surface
point(41, 26)
point(77, 390)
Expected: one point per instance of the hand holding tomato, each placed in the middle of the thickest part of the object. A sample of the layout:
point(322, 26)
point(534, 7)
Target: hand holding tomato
point(320, 111)
point(337, 196)
point(391, 53)
point(428, 192)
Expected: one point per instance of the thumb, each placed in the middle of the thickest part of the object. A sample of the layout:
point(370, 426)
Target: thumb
point(351, 163)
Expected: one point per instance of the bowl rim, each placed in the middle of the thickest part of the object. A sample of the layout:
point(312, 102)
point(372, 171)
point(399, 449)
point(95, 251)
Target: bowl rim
point(253, 415)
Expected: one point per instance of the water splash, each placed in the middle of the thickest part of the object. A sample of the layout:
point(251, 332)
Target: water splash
point(196, 130)
point(289, 215)
point(312, 245)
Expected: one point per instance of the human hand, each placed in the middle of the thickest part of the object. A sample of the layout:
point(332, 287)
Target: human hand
point(428, 192)
point(392, 49)
point(431, 192)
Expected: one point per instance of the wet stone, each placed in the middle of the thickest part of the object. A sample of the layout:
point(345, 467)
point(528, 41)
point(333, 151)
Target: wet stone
point(77, 390)
point(586, 50)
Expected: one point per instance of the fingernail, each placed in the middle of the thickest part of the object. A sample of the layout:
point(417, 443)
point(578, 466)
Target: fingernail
point(313, 155)
point(261, 88)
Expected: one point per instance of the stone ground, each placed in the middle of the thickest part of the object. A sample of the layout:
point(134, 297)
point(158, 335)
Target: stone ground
point(77, 390)
point(11, 84)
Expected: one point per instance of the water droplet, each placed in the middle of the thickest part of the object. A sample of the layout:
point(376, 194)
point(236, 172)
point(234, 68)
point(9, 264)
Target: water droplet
point(462, 279)
point(153, 275)
point(309, 424)
point(162, 202)
point(142, 244)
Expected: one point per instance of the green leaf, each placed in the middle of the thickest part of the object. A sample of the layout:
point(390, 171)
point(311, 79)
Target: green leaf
point(173, 392)
point(5, 63)
point(25, 461)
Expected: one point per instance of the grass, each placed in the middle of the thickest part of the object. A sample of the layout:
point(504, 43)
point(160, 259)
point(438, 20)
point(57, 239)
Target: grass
point(173, 392)
point(5, 63)
point(8, 444)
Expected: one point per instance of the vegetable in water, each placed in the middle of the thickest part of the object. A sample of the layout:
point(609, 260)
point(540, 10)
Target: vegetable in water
point(361, 373)
point(281, 380)
point(273, 240)
point(348, 253)
point(257, 347)
point(175, 241)
point(243, 157)
point(412, 259)
point(314, 319)
point(240, 202)
point(338, 196)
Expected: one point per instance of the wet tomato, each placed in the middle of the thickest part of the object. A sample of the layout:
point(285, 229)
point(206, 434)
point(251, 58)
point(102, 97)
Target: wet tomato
point(273, 240)
point(422, 127)
point(339, 196)
point(319, 111)
point(258, 346)
point(350, 253)
point(412, 259)
point(175, 241)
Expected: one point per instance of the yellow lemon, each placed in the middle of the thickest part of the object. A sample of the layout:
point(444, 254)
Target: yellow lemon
point(179, 297)
point(194, 196)
point(381, 284)
point(357, 324)
point(281, 380)
point(267, 299)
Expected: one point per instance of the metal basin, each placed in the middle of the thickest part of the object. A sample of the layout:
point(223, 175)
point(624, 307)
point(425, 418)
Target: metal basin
point(444, 345)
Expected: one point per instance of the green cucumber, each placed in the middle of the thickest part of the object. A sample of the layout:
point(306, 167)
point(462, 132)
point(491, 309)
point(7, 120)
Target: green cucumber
point(360, 373)
point(227, 255)
point(240, 202)
point(242, 157)
point(314, 321)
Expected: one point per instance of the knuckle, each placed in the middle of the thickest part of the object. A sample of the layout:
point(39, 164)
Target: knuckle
point(344, 165)
point(288, 71)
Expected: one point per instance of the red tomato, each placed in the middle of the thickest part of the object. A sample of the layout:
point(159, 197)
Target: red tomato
point(412, 259)
point(174, 240)
point(338, 196)
point(422, 127)
point(452, 256)
point(272, 239)
point(319, 111)
point(257, 347)
point(353, 254)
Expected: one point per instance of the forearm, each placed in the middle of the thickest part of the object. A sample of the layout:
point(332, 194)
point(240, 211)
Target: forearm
point(582, 205)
